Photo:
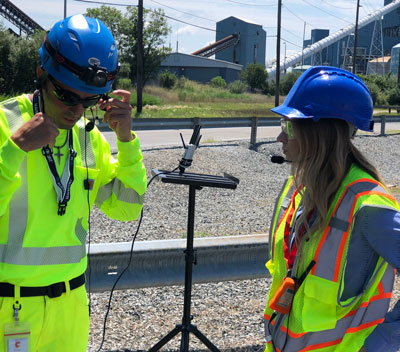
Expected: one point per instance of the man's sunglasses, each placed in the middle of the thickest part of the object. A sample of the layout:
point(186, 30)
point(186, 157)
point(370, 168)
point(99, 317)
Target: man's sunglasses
point(71, 99)
point(287, 128)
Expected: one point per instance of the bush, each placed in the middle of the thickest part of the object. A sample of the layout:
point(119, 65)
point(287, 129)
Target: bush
point(394, 96)
point(255, 76)
point(237, 87)
point(147, 99)
point(167, 79)
point(218, 82)
point(124, 83)
point(287, 82)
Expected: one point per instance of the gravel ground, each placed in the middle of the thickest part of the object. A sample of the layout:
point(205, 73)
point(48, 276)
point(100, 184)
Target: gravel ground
point(229, 313)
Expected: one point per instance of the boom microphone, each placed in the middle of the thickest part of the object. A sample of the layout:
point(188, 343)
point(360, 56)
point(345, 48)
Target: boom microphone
point(277, 159)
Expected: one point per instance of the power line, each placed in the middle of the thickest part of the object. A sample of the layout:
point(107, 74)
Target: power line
point(105, 3)
point(242, 3)
point(338, 7)
point(328, 13)
point(298, 16)
point(186, 13)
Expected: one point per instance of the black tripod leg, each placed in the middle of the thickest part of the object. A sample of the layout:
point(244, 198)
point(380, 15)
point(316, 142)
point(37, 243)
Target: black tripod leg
point(202, 338)
point(166, 338)
point(184, 340)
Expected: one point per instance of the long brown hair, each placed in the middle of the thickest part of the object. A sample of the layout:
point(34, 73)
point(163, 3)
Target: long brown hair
point(326, 154)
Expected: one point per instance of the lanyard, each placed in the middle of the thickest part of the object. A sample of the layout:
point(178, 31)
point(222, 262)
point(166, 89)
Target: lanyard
point(62, 185)
point(289, 243)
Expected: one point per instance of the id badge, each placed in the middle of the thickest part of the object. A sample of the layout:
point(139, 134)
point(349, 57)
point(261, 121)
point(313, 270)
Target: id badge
point(17, 336)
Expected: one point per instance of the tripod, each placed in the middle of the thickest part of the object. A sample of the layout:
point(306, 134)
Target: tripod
point(195, 182)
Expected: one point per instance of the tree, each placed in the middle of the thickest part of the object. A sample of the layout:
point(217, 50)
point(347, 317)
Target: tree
point(124, 29)
point(287, 82)
point(19, 59)
point(255, 75)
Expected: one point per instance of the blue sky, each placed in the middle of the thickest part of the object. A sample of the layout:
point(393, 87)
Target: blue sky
point(325, 14)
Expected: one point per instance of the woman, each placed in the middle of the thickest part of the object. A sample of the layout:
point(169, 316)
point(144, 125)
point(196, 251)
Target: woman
point(335, 235)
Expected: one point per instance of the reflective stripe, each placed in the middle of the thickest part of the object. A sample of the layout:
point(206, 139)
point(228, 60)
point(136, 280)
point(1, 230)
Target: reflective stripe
point(122, 193)
point(287, 199)
point(362, 318)
point(88, 158)
point(13, 252)
point(13, 115)
point(331, 246)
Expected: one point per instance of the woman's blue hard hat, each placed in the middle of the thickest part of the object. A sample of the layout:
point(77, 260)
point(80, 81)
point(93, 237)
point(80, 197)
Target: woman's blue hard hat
point(329, 92)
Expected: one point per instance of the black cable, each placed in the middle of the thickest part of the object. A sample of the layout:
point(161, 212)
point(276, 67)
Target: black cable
point(88, 203)
point(129, 263)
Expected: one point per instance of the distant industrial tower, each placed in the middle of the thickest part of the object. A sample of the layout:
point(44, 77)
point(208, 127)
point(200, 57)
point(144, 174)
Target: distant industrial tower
point(251, 45)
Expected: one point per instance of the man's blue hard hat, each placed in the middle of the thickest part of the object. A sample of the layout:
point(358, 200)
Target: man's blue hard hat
point(329, 92)
point(81, 52)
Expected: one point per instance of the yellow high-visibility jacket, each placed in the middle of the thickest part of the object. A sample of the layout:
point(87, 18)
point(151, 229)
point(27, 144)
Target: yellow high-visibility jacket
point(319, 320)
point(38, 247)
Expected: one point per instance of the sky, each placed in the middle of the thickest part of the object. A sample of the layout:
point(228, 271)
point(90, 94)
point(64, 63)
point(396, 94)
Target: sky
point(193, 22)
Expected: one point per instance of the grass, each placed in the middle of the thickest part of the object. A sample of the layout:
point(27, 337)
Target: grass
point(191, 99)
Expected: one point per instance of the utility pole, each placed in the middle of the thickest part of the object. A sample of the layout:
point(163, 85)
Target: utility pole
point(355, 38)
point(302, 46)
point(278, 55)
point(65, 8)
point(139, 84)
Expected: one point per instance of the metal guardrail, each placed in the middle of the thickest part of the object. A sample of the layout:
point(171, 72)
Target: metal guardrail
point(162, 263)
point(223, 122)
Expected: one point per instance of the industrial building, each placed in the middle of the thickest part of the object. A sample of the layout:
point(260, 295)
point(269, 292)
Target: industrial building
point(238, 43)
point(200, 69)
point(375, 41)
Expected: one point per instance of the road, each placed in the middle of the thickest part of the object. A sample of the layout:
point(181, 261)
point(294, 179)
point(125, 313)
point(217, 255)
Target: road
point(151, 138)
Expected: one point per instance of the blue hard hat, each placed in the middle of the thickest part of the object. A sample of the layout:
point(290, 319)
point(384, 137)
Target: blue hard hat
point(329, 92)
point(81, 52)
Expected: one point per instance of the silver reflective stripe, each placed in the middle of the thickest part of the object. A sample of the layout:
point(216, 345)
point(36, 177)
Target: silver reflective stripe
point(328, 254)
point(13, 115)
point(88, 159)
point(13, 252)
point(285, 203)
point(122, 193)
point(348, 324)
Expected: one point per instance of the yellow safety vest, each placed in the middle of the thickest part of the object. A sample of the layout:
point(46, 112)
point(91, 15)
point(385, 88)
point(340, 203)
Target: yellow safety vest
point(319, 320)
point(37, 246)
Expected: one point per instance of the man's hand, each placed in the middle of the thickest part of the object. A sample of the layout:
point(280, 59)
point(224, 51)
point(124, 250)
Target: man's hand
point(38, 132)
point(363, 349)
point(118, 115)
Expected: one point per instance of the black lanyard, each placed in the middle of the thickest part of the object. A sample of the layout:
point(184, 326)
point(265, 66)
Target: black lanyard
point(61, 186)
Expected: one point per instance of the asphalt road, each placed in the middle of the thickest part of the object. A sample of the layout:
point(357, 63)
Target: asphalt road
point(151, 138)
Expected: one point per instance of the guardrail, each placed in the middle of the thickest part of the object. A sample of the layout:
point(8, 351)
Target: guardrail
point(162, 263)
point(223, 122)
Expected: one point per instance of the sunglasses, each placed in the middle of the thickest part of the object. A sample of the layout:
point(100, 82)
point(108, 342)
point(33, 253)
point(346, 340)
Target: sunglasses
point(70, 98)
point(287, 128)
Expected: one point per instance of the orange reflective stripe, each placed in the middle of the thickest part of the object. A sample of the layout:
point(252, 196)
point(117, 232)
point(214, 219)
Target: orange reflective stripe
point(365, 326)
point(321, 345)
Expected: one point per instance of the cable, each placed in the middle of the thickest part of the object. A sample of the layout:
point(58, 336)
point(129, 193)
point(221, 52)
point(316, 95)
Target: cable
point(242, 3)
point(186, 13)
point(328, 13)
point(129, 263)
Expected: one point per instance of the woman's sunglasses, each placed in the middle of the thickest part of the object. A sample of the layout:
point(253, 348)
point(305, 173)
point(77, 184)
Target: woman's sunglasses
point(71, 99)
point(287, 128)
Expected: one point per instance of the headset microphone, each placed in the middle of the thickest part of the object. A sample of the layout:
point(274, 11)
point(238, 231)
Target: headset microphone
point(277, 159)
point(89, 126)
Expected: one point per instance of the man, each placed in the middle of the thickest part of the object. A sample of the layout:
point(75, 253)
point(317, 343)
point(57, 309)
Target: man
point(53, 167)
point(336, 231)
